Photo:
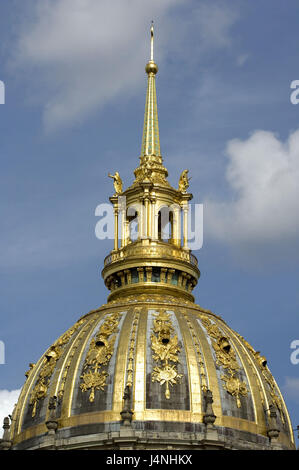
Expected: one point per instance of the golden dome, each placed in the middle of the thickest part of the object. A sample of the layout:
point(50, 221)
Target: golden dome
point(169, 352)
point(150, 369)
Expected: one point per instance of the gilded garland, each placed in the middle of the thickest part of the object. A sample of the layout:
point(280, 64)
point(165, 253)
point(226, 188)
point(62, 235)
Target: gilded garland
point(40, 390)
point(262, 363)
point(165, 347)
point(99, 354)
point(130, 365)
point(226, 357)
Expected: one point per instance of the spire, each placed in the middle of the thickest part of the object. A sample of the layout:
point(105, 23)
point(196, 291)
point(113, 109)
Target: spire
point(150, 138)
point(150, 259)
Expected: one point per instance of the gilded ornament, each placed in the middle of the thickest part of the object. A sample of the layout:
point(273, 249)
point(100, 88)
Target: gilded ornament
point(31, 365)
point(278, 402)
point(151, 172)
point(262, 363)
point(65, 372)
point(166, 374)
point(40, 389)
point(93, 381)
point(235, 387)
point(99, 354)
point(273, 393)
point(166, 349)
point(165, 352)
point(145, 172)
point(130, 366)
point(225, 357)
point(39, 392)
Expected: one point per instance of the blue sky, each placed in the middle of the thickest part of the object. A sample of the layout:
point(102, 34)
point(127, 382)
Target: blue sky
point(75, 95)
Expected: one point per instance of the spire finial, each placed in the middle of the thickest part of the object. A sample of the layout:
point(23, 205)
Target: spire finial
point(151, 66)
point(152, 41)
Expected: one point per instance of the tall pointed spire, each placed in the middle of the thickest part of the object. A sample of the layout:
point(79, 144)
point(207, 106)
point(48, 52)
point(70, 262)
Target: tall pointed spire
point(151, 138)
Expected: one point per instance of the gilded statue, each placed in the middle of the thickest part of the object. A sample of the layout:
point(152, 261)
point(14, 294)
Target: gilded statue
point(184, 181)
point(118, 184)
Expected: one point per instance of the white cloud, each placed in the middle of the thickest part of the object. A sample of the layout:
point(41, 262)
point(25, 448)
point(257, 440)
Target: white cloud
point(8, 399)
point(263, 175)
point(291, 388)
point(87, 52)
point(83, 53)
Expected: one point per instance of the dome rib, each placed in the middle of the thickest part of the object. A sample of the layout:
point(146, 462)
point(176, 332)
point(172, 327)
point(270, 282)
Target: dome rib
point(193, 370)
